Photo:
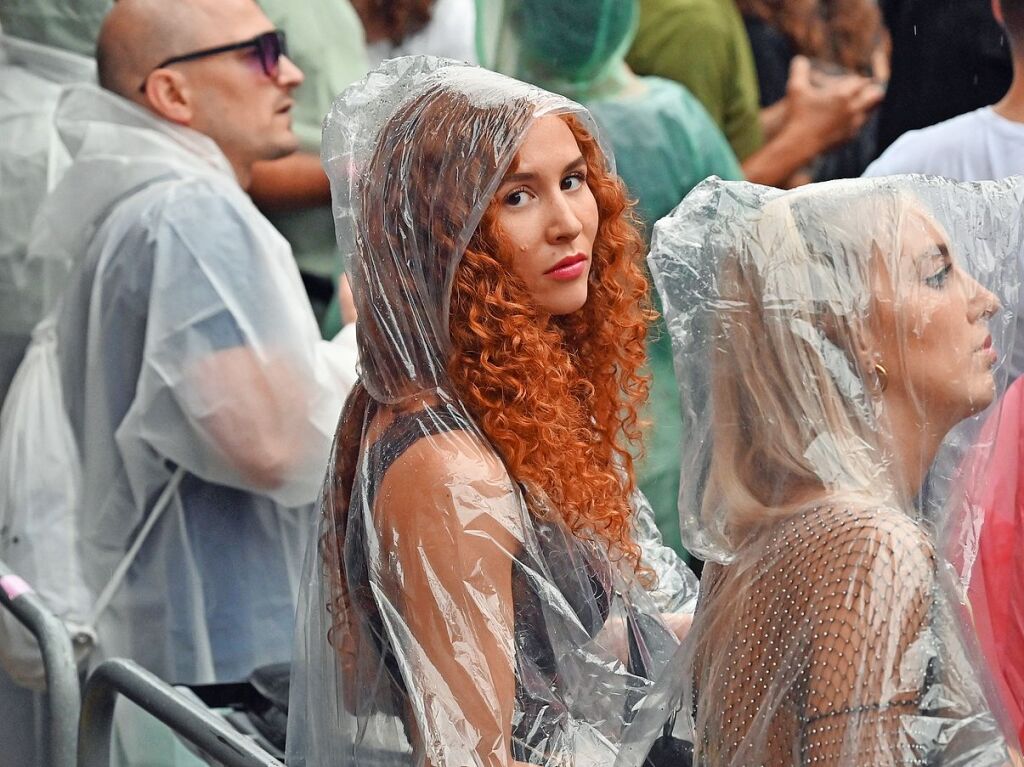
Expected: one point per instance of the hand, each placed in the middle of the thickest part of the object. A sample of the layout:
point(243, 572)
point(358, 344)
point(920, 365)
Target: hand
point(679, 623)
point(828, 110)
point(346, 301)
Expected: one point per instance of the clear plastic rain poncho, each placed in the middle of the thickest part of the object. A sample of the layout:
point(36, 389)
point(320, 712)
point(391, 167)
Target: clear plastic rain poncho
point(443, 622)
point(665, 143)
point(827, 341)
point(183, 327)
point(31, 161)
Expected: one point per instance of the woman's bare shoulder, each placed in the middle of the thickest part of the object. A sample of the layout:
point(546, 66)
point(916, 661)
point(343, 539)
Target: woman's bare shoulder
point(452, 477)
point(863, 540)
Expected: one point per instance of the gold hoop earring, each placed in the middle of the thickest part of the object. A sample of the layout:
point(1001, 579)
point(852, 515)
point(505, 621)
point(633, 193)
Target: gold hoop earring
point(882, 376)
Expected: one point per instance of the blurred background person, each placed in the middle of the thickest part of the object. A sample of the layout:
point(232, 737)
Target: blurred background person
point(664, 144)
point(325, 40)
point(839, 37)
point(409, 27)
point(70, 25)
point(32, 73)
point(43, 46)
point(703, 44)
point(847, 34)
point(948, 57)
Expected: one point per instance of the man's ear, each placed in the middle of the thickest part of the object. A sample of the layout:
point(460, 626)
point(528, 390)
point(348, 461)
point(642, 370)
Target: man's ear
point(997, 11)
point(169, 95)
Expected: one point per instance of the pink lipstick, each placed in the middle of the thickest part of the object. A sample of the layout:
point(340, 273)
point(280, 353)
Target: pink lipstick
point(569, 268)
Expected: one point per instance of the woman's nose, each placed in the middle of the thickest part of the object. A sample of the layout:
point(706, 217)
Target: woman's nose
point(983, 302)
point(565, 225)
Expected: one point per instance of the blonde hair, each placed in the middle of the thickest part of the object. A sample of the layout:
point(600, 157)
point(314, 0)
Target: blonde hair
point(793, 416)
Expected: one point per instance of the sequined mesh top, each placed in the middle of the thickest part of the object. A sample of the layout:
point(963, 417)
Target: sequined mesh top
point(818, 646)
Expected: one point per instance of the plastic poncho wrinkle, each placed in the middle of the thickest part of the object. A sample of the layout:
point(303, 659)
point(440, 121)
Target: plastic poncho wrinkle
point(446, 618)
point(830, 626)
point(32, 160)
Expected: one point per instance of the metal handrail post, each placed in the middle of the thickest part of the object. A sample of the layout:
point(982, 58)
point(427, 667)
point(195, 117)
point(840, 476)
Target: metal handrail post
point(63, 696)
point(194, 723)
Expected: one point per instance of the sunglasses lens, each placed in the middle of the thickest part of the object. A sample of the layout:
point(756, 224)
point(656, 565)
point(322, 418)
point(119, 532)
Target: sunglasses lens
point(271, 46)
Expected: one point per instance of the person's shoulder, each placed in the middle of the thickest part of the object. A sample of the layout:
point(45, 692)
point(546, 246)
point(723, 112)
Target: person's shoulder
point(934, 150)
point(204, 192)
point(452, 456)
point(209, 209)
point(873, 537)
point(452, 480)
point(692, 20)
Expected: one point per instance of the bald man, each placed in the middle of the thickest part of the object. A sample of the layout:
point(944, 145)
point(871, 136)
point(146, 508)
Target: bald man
point(194, 377)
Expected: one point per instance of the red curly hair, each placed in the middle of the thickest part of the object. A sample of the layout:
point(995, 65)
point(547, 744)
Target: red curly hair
point(560, 401)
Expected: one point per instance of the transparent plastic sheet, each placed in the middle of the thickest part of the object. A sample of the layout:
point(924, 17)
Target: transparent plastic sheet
point(183, 315)
point(831, 627)
point(31, 161)
point(470, 628)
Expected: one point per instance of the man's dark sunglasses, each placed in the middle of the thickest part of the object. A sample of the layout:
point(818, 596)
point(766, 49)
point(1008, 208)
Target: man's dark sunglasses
point(270, 46)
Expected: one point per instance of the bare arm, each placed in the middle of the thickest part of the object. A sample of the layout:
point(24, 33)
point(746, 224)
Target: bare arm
point(449, 524)
point(255, 413)
point(817, 117)
point(294, 182)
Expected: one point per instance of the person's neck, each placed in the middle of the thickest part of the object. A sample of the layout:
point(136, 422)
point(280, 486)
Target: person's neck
point(243, 172)
point(1011, 106)
point(914, 443)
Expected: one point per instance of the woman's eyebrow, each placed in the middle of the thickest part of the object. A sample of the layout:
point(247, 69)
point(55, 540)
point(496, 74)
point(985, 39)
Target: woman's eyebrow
point(530, 175)
point(938, 250)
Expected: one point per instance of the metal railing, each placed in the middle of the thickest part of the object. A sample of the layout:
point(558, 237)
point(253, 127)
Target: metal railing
point(189, 720)
point(63, 696)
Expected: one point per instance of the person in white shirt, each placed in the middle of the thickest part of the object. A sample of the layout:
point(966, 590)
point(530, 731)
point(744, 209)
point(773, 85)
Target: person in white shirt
point(985, 144)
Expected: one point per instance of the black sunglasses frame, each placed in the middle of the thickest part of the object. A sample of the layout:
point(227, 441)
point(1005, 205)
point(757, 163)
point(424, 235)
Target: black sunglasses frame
point(262, 43)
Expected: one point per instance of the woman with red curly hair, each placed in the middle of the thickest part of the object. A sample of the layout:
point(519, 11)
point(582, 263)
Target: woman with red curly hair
point(489, 588)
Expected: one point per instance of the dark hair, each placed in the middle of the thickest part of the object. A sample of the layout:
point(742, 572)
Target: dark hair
point(844, 32)
point(398, 19)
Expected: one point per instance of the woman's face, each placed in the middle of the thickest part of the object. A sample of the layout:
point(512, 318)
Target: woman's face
point(550, 216)
point(932, 328)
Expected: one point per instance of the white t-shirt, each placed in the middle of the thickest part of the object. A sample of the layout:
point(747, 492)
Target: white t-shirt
point(977, 146)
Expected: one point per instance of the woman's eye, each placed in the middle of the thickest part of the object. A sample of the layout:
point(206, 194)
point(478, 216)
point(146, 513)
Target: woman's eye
point(572, 182)
point(938, 279)
point(516, 198)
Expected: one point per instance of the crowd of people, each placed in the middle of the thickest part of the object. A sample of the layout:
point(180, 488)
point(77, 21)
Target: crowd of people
point(538, 378)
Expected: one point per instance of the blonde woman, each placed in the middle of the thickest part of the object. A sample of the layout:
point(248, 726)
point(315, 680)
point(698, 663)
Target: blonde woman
point(827, 341)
